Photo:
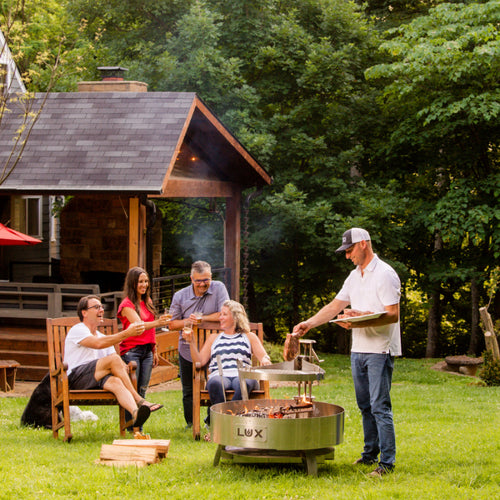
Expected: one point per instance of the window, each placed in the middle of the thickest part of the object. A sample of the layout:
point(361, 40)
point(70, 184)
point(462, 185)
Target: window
point(33, 216)
point(27, 215)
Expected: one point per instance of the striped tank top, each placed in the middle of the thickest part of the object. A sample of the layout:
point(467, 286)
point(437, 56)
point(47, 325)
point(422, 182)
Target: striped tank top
point(230, 348)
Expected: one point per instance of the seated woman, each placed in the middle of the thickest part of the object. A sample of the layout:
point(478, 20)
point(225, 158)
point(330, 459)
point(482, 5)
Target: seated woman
point(235, 342)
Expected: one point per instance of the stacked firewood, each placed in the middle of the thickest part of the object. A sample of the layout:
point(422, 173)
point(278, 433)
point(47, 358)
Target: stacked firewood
point(137, 452)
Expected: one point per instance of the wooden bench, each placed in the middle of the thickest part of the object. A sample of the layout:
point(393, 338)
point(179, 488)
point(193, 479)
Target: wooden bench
point(8, 368)
point(200, 394)
point(463, 364)
point(61, 396)
point(41, 300)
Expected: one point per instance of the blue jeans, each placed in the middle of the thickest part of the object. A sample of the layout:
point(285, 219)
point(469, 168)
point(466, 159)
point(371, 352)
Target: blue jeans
point(214, 388)
point(143, 356)
point(372, 376)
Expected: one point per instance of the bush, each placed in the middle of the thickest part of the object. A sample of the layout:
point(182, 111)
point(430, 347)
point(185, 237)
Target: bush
point(275, 351)
point(490, 372)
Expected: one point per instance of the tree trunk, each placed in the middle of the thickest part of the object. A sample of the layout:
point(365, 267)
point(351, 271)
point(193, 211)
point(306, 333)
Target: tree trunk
point(433, 325)
point(475, 338)
point(296, 295)
point(434, 319)
point(489, 333)
point(343, 339)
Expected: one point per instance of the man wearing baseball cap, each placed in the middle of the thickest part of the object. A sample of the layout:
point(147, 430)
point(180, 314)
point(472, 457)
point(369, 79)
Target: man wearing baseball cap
point(372, 289)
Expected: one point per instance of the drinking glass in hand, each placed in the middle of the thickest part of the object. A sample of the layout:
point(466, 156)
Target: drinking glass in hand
point(168, 314)
point(198, 315)
point(188, 328)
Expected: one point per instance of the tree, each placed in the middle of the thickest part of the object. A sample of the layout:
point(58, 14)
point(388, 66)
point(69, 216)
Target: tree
point(19, 101)
point(309, 74)
point(288, 78)
point(442, 90)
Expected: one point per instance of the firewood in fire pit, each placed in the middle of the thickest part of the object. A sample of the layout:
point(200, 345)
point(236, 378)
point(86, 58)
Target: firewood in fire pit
point(288, 411)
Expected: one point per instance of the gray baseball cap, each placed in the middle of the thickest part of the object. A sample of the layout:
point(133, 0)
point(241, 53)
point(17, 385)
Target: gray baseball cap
point(352, 236)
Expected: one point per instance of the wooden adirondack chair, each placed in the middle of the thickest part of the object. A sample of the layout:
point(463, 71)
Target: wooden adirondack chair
point(61, 396)
point(200, 394)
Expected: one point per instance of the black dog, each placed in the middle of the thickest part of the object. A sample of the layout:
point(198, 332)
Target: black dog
point(38, 412)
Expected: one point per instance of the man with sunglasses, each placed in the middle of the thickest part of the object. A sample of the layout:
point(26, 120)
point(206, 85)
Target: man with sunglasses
point(93, 362)
point(204, 296)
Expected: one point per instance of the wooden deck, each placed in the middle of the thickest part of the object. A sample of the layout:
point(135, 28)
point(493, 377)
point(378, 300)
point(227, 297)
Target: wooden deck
point(28, 346)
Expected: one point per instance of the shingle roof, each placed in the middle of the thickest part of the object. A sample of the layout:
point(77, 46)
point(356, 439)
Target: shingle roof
point(119, 142)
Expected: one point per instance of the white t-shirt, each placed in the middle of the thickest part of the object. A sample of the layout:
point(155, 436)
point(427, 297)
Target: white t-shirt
point(76, 354)
point(379, 286)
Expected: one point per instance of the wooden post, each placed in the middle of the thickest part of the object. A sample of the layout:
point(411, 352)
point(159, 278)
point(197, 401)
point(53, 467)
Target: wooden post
point(133, 232)
point(489, 333)
point(232, 241)
point(136, 236)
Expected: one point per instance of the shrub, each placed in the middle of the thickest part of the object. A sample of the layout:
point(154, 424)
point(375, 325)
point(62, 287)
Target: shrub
point(275, 351)
point(490, 371)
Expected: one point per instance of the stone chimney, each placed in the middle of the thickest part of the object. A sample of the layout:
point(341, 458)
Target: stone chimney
point(112, 81)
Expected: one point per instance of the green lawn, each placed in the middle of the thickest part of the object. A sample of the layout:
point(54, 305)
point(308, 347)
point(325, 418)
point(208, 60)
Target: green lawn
point(446, 428)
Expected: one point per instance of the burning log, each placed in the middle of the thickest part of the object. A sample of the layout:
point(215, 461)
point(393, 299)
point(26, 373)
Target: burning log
point(288, 411)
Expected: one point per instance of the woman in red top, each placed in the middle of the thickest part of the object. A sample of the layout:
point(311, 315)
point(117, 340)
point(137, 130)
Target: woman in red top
point(137, 305)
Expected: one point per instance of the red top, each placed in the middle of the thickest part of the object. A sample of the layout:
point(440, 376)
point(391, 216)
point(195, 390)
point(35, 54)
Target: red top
point(147, 337)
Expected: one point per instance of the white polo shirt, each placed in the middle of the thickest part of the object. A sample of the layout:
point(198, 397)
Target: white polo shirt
point(377, 287)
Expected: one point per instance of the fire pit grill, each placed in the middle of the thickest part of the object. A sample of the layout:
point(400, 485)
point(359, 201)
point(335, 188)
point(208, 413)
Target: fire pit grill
point(298, 430)
point(298, 370)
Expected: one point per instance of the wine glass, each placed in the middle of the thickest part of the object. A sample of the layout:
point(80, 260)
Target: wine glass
point(168, 314)
point(188, 327)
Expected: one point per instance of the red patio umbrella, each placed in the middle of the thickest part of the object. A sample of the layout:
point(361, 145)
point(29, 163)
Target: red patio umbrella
point(9, 236)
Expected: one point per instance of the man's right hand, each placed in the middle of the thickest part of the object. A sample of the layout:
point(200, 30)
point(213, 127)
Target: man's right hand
point(135, 329)
point(301, 329)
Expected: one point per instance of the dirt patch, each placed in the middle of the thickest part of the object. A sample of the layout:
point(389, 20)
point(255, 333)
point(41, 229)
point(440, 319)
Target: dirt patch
point(171, 385)
point(440, 366)
point(21, 389)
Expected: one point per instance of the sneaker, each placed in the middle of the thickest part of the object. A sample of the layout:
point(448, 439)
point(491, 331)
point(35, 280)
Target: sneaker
point(379, 472)
point(364, 461)
point(188, 426)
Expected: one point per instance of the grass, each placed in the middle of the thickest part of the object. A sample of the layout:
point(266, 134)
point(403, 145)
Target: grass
point(446, 430)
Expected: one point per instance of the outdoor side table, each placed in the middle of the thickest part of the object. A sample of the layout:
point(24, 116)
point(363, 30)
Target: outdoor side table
point(8, 370)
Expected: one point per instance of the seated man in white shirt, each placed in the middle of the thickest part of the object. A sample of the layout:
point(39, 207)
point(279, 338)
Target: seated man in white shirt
point(94, 364)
